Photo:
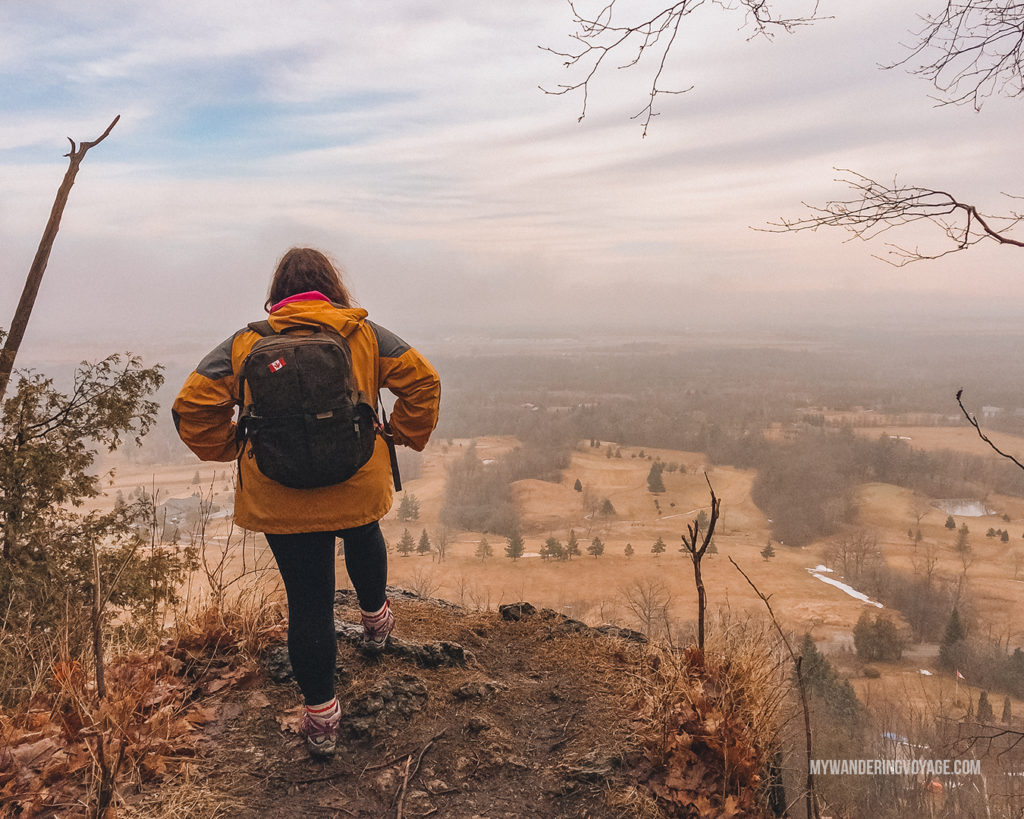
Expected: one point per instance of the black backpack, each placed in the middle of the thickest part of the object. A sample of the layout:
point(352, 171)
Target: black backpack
point(306, 423)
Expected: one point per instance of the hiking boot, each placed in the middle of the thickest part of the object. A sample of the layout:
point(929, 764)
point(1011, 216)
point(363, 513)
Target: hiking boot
point(321, 735)
point(377, 629)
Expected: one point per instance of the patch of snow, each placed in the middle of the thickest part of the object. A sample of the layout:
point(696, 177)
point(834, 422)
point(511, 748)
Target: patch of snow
point(820, 568)
point(925, 672)
point(486, 461)
point(843, 587)
point(964, 508)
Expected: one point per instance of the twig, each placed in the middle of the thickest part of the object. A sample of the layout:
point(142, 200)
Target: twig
point(812, 804)
point(565, 739)
point(415, 770)
point(310, 779)
point(399, 757)
point(401, 791)
point(973, 421)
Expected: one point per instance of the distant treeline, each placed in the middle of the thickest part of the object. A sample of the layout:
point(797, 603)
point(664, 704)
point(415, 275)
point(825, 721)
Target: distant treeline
point(804, 485)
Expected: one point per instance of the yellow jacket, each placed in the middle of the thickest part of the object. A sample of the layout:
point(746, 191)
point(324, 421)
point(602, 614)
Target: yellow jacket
point(204, 414)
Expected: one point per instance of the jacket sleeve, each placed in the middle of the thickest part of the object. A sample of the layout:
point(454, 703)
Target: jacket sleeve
point(409, 375)
point(204, 410)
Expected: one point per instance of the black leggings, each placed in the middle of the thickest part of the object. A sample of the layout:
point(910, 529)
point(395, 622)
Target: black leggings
point(306, 561)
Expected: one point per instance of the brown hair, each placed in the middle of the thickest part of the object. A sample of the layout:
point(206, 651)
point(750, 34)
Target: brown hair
point(302, 269)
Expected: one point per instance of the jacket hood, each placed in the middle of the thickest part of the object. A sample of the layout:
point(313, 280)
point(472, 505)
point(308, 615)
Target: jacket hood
point(317, 311)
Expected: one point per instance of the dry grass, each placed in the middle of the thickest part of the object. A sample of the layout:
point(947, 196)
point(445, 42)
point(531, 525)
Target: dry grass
point(183, 795)
point(711, 722)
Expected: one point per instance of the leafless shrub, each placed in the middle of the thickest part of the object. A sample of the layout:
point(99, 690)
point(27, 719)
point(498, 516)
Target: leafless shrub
point(648, 600)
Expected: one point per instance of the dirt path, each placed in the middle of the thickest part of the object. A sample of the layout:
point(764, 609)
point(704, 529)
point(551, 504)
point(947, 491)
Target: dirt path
point(531, 723)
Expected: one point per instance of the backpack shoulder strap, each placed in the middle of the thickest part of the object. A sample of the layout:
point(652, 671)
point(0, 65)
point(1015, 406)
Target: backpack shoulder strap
point(262, 327)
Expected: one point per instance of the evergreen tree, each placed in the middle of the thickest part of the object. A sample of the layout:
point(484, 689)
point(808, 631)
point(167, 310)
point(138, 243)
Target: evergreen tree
point(483, 548)
point(877, 639)
point(572, 545)
point(654, 481)
point(985, 713)
point(659, 547)
point(629, 550)
point(552, 548)
point(1004, 536)
point(1007, 718)
point(406, 544)
point(423, 547)
point(515, 546)
point(950, 523)
point(825, 683)
point(768, 552)
point(596, 547)
point(408, 509)
point(962, 542)
point(712, 548)
point(607, 510)
point(578, 486)
point(196, 479)
point(702, 520)
point(951, 645)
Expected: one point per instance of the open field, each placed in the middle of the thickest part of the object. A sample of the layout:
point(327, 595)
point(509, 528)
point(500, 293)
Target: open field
point(958, 439)
point(596, 589)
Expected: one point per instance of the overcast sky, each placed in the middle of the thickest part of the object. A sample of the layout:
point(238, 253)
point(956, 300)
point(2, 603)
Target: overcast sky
point(410, 140)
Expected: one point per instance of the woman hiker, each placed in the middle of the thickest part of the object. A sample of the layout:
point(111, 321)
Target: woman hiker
point(307, 507)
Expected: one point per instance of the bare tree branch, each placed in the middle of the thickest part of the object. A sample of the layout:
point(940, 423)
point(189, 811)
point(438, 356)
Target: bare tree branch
point(599, 35)
point(809, 795)
point(971, 50)
point(35, 273)
point(876, 208)
point(973, 421)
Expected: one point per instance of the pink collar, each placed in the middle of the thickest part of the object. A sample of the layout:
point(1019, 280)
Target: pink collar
point(309, 295)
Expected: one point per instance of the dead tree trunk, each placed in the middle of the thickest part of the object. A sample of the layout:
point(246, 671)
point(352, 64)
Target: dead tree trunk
point(696, 552)
point(35, 273)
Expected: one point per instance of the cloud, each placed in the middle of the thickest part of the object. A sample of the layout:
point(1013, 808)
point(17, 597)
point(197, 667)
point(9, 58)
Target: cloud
point(413, 142)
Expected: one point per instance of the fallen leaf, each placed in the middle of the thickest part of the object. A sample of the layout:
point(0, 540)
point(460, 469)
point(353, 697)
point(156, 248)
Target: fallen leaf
point(289, 720)
point(230, 710)
point(200, 715)
point(35, 753)
point(258, 700)
point(213, 686)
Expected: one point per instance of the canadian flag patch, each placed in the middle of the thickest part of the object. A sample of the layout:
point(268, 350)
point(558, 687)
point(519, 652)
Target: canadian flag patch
point(274, 366)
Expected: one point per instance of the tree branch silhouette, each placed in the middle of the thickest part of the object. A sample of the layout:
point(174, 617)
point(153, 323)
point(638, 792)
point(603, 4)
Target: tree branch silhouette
point(35, 273)
point(973, 421)
point(971, 50)
point(601, 35)
point(878, 207)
